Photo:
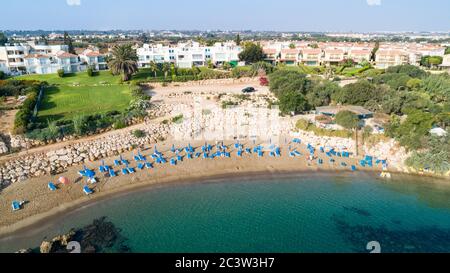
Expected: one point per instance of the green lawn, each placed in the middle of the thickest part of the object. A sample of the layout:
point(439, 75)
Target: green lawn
point(80, 78)
point(65, 102)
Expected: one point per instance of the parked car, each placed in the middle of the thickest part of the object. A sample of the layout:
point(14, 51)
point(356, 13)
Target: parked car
point(248, 90)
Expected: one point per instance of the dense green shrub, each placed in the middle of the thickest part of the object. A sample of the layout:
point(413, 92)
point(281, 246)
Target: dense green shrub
point(138, 133)
point(90, 72)
point(60, 73)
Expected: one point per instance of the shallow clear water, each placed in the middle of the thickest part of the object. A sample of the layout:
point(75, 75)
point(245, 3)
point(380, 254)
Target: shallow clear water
point(293, 213)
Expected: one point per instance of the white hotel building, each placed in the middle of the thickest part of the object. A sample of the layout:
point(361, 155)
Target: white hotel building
point(31, 58)
point(186, 55)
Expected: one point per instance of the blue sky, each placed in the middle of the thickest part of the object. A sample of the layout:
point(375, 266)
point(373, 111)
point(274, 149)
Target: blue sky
point(281, 15)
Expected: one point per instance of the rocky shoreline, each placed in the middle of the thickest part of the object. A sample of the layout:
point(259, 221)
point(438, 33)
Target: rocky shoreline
point(97, 237)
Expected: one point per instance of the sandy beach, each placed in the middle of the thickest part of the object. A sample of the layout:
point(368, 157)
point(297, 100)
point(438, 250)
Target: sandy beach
point(42, 203)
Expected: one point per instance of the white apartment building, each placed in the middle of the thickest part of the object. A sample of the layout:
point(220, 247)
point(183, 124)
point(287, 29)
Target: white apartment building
point(14, 57)
point(93, 58)
point(186, 55)
point(48, 63)
point(33, 58)
point(385, 58)
point(359, 55)
point(3, 67)
point(333, 56)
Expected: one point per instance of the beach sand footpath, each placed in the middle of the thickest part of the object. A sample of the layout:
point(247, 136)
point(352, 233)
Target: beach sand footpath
point(43, 203)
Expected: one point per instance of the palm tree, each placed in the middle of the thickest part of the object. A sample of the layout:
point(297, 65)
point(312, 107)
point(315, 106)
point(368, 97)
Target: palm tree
point(154, 67)
point(165, 69)
point(124, 61)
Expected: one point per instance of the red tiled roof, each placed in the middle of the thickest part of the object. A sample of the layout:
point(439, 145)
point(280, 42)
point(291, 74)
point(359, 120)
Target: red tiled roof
point(93, 54)
point(270, 50)
point(290, 51)
point(66, 55)
point(334, 51)
point(311, 51)
point(32, 56)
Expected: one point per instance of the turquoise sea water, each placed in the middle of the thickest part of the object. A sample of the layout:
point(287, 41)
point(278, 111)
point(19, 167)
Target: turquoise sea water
point(289, 213)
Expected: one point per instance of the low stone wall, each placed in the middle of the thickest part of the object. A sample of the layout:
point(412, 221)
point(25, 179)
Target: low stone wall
point(207, 82)
point(56, 161)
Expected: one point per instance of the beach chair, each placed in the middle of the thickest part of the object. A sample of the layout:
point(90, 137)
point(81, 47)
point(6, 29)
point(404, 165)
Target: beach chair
point(292, 154)
point(227, 154)
point(81, 173)
point(101, 168)
point(136, 158)
point(353, 168)
point(173, 162)
point(92, 180)
point(140, 166)
point(197, 155)
point(117, 162)
point(205, 155)
point(320, 161)
point(277, 152)
point(163, 160)
point(343, 164)
point(51, 186)
point(112, 173)
point(16, 205)
point(322, 150)
point(131, 170)
point(124, 171)
point(248, 150)
point(87, 190)
point(189, 156)
point(260, 153)
point(239, 153)
point(272, 154)
point(362, 163)
point(148, 165)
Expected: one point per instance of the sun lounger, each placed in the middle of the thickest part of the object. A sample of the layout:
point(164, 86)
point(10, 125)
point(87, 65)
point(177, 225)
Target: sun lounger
point(112, 173)
point(87, 190)
point(16, 205)
point(51, 186)
point(92, 180)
